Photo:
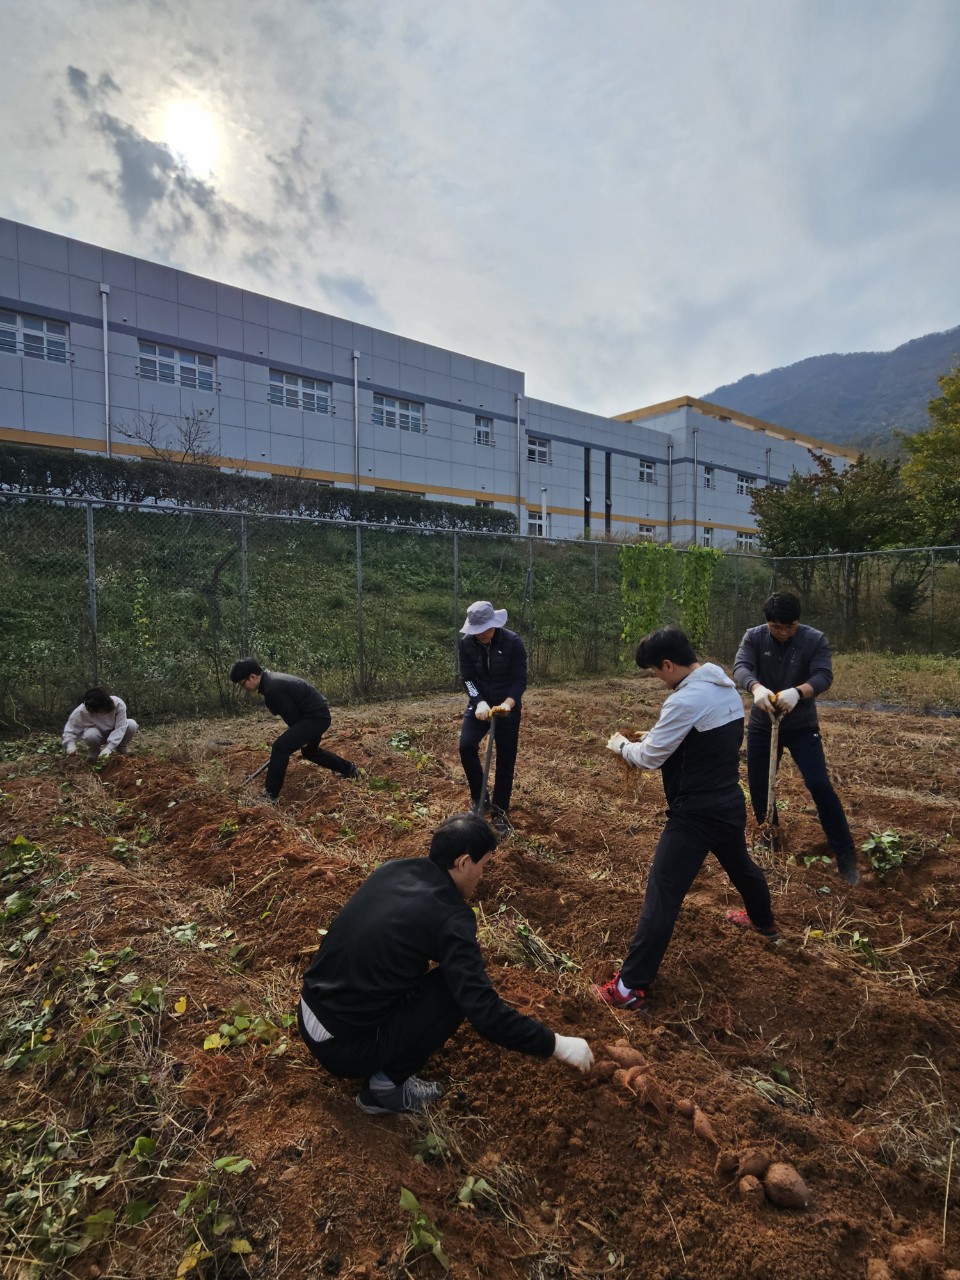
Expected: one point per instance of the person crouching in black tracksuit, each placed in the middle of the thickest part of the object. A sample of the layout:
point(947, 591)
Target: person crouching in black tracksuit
point(493, 665)
point(303, 709)
point(400, 969)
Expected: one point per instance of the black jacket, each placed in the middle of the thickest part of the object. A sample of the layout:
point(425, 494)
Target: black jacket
point(292, 698)
point(496, 671)
point(803, 659)
point(405, 916)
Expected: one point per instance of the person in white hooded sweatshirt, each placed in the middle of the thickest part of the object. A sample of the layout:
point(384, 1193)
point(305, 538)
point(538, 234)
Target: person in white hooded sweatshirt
point(696, 745)
point(101, 724)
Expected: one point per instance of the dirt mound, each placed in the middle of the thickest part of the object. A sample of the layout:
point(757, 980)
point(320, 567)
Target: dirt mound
point(161, 1113)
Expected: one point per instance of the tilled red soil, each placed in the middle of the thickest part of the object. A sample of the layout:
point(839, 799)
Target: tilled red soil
point(835, 1052)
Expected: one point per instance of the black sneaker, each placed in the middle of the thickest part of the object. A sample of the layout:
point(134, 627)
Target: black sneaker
point(847, 866)
point(267, 798)
point(403, 1099)
point(500, 822)
point(353, 772)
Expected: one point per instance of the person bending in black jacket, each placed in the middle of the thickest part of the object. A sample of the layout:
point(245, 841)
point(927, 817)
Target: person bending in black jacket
point(785, 665)
point(493, 665)
point(400, 969)
point(306, 714)
point(696, 746)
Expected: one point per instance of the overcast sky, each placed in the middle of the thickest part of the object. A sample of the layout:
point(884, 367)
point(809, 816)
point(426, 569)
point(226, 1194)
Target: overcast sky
point(629, 200)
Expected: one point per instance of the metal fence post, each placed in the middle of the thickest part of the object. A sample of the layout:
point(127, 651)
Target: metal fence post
point(244, 590)
point(361, 648)
point(456, 607)
point(92, 594)
point(933, 595)
point(595, 663)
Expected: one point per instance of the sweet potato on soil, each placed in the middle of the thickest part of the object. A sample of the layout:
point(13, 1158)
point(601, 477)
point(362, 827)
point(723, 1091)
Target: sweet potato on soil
point(626, 1055)
point(753, 1164)
point(877, 1269)
point(785, 1188)
point(916, 1259)
point(751, 1192)
point(626, 1076)
point(647, 1090)
point(686, 1107)
point(703, 1128)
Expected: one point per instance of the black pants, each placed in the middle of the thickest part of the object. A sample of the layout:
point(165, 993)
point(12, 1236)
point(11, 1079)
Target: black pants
point(303, 736)
point(506, 738)
point(681, 850)
point(399, 1046)
point(806, 747)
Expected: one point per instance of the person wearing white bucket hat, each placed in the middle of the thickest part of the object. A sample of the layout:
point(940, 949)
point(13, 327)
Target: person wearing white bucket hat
point(493, 665)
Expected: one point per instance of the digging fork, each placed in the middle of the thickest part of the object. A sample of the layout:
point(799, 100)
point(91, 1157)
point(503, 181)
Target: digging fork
point(769, 828)
point(494, 712)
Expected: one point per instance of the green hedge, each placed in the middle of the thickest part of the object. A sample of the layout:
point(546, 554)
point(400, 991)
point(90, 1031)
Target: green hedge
point(63, 473)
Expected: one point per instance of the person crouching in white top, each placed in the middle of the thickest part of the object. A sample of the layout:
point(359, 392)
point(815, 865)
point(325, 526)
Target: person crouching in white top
point(101, 724)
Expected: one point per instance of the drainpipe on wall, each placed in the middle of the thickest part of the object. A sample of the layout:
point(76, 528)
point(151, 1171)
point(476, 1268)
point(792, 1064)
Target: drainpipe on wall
point(696, 432)
point(768, 465)
point(670, 493)
point(543, 510)
point(519, 471)
point(356, 420)
point(104, 293)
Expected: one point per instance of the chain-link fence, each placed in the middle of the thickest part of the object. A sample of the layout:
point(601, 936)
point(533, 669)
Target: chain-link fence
point(158, 602)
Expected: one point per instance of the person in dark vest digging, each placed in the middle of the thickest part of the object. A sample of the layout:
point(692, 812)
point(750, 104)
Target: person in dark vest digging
point(400, 969)
point(306, 714)
point(493, 665)
point(785, 665)
point(696, 746)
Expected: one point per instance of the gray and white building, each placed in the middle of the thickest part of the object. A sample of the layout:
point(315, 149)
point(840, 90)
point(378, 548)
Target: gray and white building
point(95, 346)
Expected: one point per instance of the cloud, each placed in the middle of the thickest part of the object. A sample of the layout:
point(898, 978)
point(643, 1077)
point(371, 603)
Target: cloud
point(628, 202)
point(347, 289)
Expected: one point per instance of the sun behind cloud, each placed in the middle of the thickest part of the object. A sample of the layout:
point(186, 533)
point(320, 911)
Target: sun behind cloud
point(193, 134)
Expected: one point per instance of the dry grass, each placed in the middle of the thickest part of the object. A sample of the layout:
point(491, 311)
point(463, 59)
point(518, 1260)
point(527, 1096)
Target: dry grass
point(914, 1123)
point(918, 681)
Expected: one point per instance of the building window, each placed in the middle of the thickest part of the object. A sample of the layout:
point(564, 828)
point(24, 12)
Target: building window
point(483, 430)
point(777, 484)
point(746, 542)
point(180, 368)
point(648, 473)
point(32, 336)
point(535, 527)
point(484, 502)
point(538, 449)
point(708, 480)
point(744, 484)
point(294, 392)
point(389, 412)
point(706, 538)
point(647, 532)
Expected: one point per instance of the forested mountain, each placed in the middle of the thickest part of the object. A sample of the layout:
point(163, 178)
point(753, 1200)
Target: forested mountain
point(855, 399)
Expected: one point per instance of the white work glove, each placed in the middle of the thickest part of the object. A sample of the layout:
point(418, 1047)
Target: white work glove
point(573, 1052)
point(71, 748)
point(787, 699)
point(763, 699)
point(482, 710)
point(501, 710)
point(616, 743)
point(106, 753)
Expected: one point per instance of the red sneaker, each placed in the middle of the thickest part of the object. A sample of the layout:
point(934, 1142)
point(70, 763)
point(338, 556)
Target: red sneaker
point(743, 921)
point(635, 1000)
